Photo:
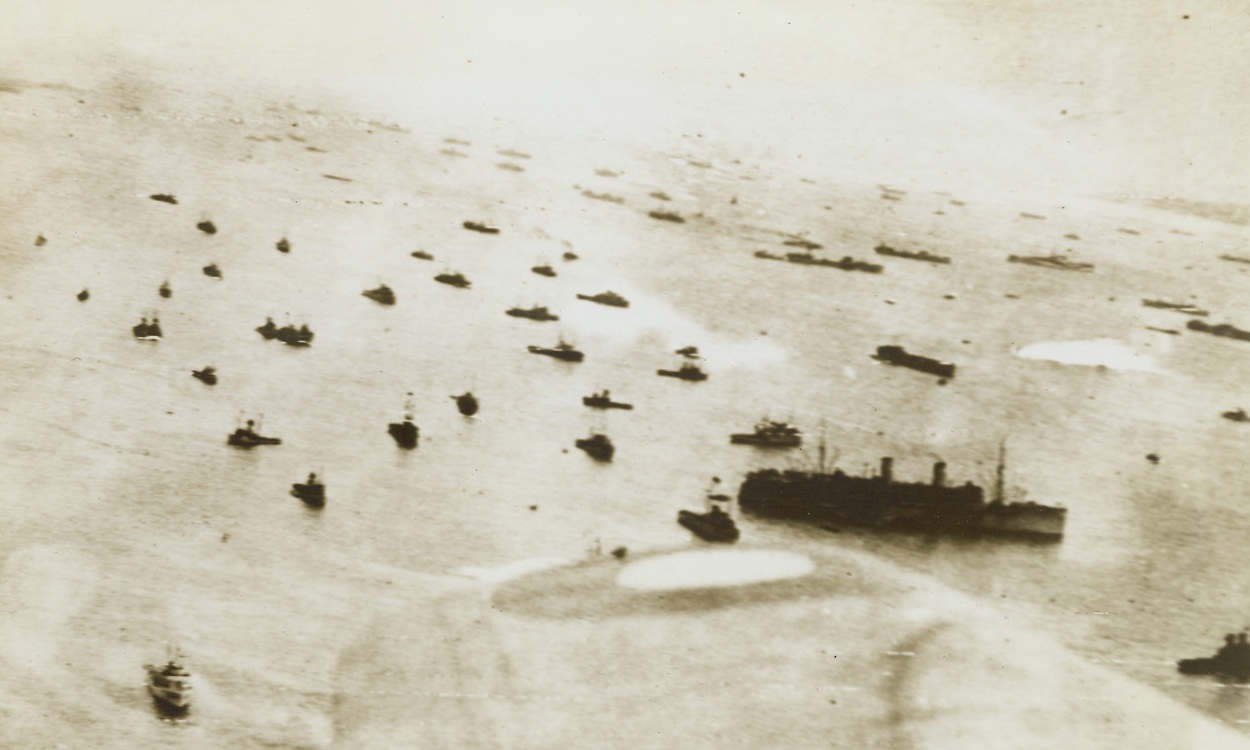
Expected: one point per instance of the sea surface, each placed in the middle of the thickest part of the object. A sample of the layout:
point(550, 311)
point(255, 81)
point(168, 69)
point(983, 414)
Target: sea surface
point(130, 525)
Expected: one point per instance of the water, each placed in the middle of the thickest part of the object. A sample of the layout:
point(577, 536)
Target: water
point(129, 524)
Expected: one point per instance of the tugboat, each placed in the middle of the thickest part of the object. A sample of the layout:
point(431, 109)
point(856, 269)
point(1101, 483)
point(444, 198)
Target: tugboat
point(165, 291)
point(687, 371)
point(612, 299)
point(313, 493)
point(453, 279)
point(207, 227)
point(146, 331)
point(1237, 415)
point(770, 434)
point(247, 437)
point(382, 295)
point(212, 271)
point(544, 270)
point(405, 432)
point(562, 350)
point(467, 403)
point(533, 313)
point(423, 255)
point(208, 375)
point(604, 401)
point(1231, 661)
point(716, 525)
point(283, 245)
point(83, 295)
point(597, 446)
point(474, 226)
point(170, 687)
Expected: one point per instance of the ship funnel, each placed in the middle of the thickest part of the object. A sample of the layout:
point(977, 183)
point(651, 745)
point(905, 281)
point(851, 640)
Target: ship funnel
point(939, 473)
point(887, 469)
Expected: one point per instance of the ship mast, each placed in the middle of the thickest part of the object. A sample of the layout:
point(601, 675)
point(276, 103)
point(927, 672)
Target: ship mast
point(999, 482)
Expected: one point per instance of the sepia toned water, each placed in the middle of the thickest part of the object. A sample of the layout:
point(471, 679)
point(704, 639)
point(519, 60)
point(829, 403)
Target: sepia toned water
point(130, 525)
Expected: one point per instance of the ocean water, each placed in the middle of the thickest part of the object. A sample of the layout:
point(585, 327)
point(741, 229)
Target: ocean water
point(130, 525)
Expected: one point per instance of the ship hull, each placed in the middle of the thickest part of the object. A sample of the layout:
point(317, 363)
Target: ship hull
point(766, 442)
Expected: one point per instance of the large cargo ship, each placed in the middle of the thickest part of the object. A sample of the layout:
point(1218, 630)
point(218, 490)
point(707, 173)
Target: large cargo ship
point(881, 501)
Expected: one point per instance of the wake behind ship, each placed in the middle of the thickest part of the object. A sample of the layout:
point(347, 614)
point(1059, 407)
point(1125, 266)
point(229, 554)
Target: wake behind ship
point(880, 501)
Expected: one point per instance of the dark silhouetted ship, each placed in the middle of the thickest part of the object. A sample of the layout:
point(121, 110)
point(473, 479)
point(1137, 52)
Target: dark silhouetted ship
point(562, 350)
point(212, 271)
point(145, 331)
point(84, 295)
point(1237, 415)
point(247, 437)
point(423, 255)
point(544, 270)
point(770, 434)
point(924, 255)
point(717, 524)
point(533, 313)
point(474, 226)
point(1235, 258)
point(689, 352)
point(405, 432)
point(667, 216)
point(604, 401)
point(1231, 661)
point(382, 295)
point(846, 263)
point(292, 336)
point(454, 279)
point(170, 687)
point(283, 245)
point(897, 355)
point(467, 403)
point(768, 256)
point(805, 244)
point(569, 256)
point(687, 371)
point(312, 492)
point(207, 227)
point(1055, 261)
point(164, 198)
point(612, 299)
point(165, 291)
point(208, 375)
point(597, 446)
point(1179, 307)
point(1223, 330)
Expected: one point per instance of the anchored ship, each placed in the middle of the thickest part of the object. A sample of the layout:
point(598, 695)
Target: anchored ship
point(1056, 261)
point(667, 216)
point(597, 446)
point(687, 371)
point(145, 331)
point(717, 524)
point(474, 226)
point(533, 313)
point(247, 437)
point(467, 403)
point(405, 432)
point(453, 279)
point(884, 249)
point(212, 271)
point(313, 493)
point(208, 375)
point(612, 299)
point(382, 295)
point(897, 355)
point(562, 350)
point(882, 502)
point(544, 270)
point(846, 263)
point(770, 434)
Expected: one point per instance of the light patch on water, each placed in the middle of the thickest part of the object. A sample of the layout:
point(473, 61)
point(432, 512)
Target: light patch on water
point(514, 569)
point(1109, 353)
point(713, 569)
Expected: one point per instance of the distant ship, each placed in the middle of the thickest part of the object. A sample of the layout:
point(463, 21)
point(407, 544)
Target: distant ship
point(881, 502)
point(687, 371)
point(84, 295)
point(612, 299)
point(1056, 261)
point(405, 432)
point(247, 437)
point(287, 334)
point(1223, 330)
point(283, 245)
point(667, 216)
point(207, 227)
point(689, 352)
point(846, 263)
point(382, 295)
point(164, 198)
point(1231, 661)
point(569, 256)
point(716, 525)
point(423, 255)
point(533, 313)
point(312, 492)
point(770, 434)
point(208, 375)
point(145, 331)
point(884, 249)
point(1235, 258)
point(212, 271)
point(165, 291)
point(597, 446)
point(474, 226)
point(170, 687)
point(604, 401)
point(897, 355)
point(603, 196)
point(1237, 415)
point(544, 270)
point(467, 403)
point(562, 350)
point(805, 244)
point(454, 279)
point(1179, 307)
point(768, 256)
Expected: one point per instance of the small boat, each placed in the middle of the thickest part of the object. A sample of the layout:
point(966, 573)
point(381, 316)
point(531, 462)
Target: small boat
point(292, 336)
point(146, 331)
point(170, 687)
point(212, 271)
point(207, 227)
point(382, 295)
point(164, 198)
point(247, 437)
point(770, 434)
point(897, 355)
point(533, 313)
point(884, 249)
point(544, 270)
point(716, 525)
point(1054, 261)
point(768, 256)
point(283, 245)
point(667, 216)
point(423, 255)
point(570, 256)
point(313, 493)
point(40, 241)
point(1237, 415)
point(1231, 661)
point(406, 432)
point(268, 330)
point(805, 244)
point(453, 279)
point(604, 401)
point(467, 403)
point(612, 299)
point(83, 295)
point(597, 446)
point(1180, 307)
point(687, 371)
point(689, 352)
point(474, 226)
point(208, 375)
point(562, 350)
point(165, 291)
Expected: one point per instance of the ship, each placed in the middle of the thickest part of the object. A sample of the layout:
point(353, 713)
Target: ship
point(467, 403)
point(1056, 261)
point(247, 437)
point(170, 687)
point(474, 226)
point(768, 256)
point(805, 244)
point(597, 446)
point(667, 216)
point(145, 331)
point(208, 375)
point(603, 196)
point(533, 313)
point(312, 492)
point(770, 434)
point(382, 295)
point(544, 270)
point(212, 271)
point(406, 432)
point(687, 371)
point(423, 255)
point(292, 336)
point(689, 352)
point(1179, 307)
point(283, 245)
point(928, 257)
point(568, 256)
point(164, 198)
point(1235, 258)
point(207, 227)
point(716, 525)
point(846, 263)
point(1223, 330)
point(604, 401)
point(84, 295)
point(165, 291)
point(1237, 415)
point(562, 350)
point(610, 298)
point(879, 501)
point(1231, 661)
point(897, 355)
point(454, 279)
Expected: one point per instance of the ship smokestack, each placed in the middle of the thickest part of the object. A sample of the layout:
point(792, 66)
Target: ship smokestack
point(887, 468)
point(939, 473)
